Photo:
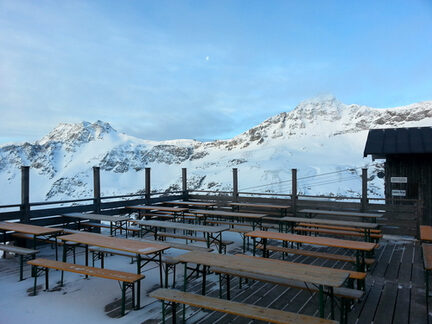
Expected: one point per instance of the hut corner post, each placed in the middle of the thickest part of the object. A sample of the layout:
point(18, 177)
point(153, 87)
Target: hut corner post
point(364, 197)
point(25, 195)
point(294, 195)
point(185, 192)
point(147, 186)
point(235, 194)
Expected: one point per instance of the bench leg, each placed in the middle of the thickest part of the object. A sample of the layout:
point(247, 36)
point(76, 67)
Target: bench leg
point(203, 290)
point(21, 267)
point(174, 313)
point(228, 279)
point(427, 285)
point(139, 282)
point(35, 272)
point(123, 306)
point(46, 279)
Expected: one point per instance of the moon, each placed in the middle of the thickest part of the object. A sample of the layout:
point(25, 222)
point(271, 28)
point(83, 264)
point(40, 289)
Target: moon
point(207, 58)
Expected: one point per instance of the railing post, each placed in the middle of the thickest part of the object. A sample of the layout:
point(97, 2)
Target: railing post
point(184, 184)
point(96, 190)
point(25, 194)
point(147, 185)
point(364, 197)
point(235, 184)
point(294, 191)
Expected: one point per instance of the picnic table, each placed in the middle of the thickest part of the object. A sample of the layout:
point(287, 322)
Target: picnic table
point(322, 277)
point(116, 222)
point(206, 205)
point(254, 218)
point(213, 234)
point(292, 221)
point(359, 247)
point(283, 208)
point(312, 212)
point(36, 231)
point(176, 211)
point(132, 246)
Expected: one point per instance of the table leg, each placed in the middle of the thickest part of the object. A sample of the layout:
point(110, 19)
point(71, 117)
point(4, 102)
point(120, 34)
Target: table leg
point(160, 268)
point(203, 290)
point(139, 282)
point(321, 301)
point(86, 257)
point(184, 289)
point(264, 243)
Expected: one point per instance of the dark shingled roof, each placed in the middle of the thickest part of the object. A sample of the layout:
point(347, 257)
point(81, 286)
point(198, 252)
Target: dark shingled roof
point(415, 140)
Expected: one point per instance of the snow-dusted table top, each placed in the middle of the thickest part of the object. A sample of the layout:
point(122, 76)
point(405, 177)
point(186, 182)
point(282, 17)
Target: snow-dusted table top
point(99, 217)
point(183, 226)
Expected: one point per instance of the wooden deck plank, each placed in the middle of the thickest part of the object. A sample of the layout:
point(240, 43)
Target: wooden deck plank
point(368, 310)
point(394, 264)
point(418, 311)
point(406, 264)
point(384, 261)
point(386, 304)
point(401, 314)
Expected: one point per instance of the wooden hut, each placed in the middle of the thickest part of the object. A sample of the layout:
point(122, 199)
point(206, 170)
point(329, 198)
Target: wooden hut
point(408, 165)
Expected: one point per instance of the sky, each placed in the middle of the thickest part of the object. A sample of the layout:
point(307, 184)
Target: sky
point(203, 69)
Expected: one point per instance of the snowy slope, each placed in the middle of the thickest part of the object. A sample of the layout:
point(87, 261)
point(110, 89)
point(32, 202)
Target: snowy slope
point(319, 136)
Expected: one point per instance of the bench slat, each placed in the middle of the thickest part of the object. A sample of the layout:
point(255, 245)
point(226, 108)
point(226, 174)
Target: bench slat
point(17, 250)
point(86, 270)
point(330, 256)
point(334, 232)
point(235, 308)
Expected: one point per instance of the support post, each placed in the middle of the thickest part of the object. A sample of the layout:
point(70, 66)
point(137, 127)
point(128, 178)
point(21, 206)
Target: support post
point(147, 185)
point(364, 198)
point(184, 184)
point(25, 195)
point(294, 191)
point(235, 185)
point(96, 190)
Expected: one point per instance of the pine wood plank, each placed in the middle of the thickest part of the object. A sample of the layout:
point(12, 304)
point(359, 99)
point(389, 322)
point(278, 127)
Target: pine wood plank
point(235, 308)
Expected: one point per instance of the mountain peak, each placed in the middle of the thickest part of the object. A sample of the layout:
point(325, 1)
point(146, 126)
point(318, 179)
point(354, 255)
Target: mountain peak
point(77, 133)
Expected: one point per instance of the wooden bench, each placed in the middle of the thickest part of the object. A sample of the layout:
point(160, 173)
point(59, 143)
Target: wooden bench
point(22, 252)
point(128, 279)
point(254, 312)
point(164, 235)
point(99, 253)
point(302, 229)
point(316, 254)
point(180, 246)
point(427, 263)
point(346, 295)
point(426, 233)
point(342, 228)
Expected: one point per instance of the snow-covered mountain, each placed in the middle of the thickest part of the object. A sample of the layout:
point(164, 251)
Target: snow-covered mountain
point(323, 138)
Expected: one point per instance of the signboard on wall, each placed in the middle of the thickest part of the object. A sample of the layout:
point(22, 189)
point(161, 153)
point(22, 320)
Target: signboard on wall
point(398, 193)
point(399, 180)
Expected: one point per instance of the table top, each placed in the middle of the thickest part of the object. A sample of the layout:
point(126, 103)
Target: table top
point(329, 222)
point(314, 240)
point(133, 246)
point(160, 208)
point(340, 213)
point(182, 226)
point(226, 213)
point(425, 233)
point(240, 204)
point(292, 271)
point(190, 203)
point(99, 217)
point(28, 229)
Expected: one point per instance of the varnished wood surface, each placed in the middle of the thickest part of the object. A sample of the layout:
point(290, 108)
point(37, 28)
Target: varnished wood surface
point(272, 206)
point(339, 213)
point(133, 246)
point(294, 271)
point(159, 208)
point(96, 272)
point(190, 203)
point(352, 274)
point(28, 229)
point(315, 240)
point(425, 233)
point(222, 213)
point(182, 226)
point(328, 222)
point(97, 217)
point(235, 308)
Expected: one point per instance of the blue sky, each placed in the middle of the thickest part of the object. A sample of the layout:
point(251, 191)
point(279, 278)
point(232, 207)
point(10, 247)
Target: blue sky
point(203, 69)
